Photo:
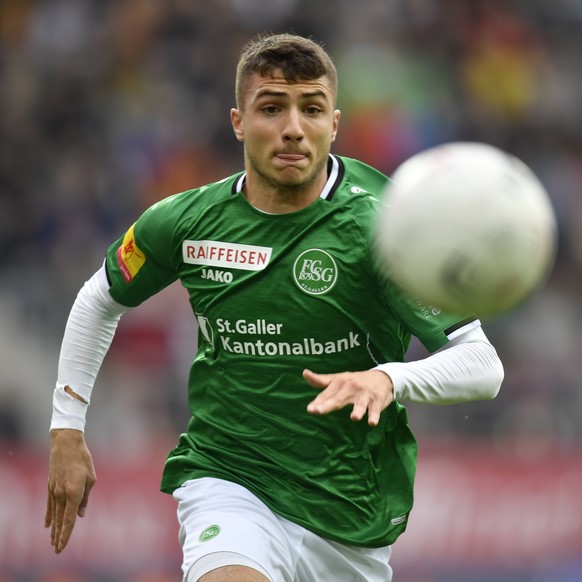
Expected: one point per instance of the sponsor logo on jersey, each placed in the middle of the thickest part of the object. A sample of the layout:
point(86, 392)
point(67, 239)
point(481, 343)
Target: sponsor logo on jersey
point(428, 311)
point(307, 346)
point(264, 338)
point(212, 253)
point(129, 256)
point(205, 328)
point(315, 271)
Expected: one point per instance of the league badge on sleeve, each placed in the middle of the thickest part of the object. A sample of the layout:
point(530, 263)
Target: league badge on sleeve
point(129, 256)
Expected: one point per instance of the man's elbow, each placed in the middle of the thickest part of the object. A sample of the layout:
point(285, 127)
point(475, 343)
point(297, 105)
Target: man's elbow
point(495, 378)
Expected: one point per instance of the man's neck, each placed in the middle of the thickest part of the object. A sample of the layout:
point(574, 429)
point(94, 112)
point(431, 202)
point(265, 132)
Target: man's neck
point(277, 201)
point(274, 199)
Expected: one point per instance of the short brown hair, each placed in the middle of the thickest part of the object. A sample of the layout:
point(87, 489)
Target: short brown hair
point(298, 58)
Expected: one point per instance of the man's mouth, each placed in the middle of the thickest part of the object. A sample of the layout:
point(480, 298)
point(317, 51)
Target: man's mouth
point(290, 157)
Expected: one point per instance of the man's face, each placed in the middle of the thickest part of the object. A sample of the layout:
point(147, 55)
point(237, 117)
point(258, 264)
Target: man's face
point(287, 129)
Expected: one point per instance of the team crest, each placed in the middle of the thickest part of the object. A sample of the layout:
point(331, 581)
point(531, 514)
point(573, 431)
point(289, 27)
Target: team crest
point(209, 533)
point(315, 272)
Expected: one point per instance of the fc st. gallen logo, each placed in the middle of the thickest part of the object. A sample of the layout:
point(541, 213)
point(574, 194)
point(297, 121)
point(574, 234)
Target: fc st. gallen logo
point(315, 271)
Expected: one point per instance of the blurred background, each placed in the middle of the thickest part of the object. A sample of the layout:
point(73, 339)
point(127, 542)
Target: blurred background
point(107, 106)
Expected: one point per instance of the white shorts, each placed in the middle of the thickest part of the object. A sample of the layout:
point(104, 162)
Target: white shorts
point(223, 524)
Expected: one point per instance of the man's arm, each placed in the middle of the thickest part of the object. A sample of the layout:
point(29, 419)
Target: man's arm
point(88, 335)
point(467, 369)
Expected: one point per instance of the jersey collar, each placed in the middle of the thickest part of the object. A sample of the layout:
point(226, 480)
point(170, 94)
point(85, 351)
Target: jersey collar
point(335, 173)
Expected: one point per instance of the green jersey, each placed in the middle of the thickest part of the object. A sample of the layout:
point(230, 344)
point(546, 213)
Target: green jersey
point(272, 295)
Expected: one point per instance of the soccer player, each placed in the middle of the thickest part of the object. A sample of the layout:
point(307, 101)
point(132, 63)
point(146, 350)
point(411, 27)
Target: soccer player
point(291, 468)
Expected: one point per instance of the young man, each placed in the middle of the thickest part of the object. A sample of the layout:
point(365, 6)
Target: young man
point(291, 469)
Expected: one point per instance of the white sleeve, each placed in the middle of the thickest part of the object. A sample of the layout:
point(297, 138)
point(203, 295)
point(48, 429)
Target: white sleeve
point(467, 368)
point(88, 334)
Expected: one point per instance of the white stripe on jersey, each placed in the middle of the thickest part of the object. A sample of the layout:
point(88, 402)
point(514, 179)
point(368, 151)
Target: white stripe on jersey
point(331, 179)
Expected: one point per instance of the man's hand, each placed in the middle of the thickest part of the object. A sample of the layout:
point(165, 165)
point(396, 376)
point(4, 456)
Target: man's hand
point(71, 477)
point(369, 391)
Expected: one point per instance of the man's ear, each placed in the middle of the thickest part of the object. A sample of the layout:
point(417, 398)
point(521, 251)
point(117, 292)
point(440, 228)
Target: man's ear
point(336, 118)
point(236, 118)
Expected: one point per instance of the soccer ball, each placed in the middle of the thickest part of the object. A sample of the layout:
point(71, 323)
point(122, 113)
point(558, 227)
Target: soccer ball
point(465, 227)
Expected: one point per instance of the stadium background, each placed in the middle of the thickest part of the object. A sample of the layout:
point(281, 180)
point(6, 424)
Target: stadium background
point(109, 105)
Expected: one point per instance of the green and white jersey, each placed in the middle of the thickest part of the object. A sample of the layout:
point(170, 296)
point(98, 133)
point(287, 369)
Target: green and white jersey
point(274, 294)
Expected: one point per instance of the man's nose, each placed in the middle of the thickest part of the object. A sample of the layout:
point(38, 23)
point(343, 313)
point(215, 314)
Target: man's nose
point(293, 130)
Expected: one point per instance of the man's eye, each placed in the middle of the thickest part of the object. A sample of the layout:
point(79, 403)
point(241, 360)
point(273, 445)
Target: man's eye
point(313, 110)
point(270, 109)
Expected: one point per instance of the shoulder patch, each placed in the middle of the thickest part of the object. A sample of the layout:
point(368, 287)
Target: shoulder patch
point(129, 256)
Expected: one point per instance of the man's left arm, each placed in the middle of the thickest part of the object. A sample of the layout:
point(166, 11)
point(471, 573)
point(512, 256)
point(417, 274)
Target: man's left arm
point(467, 368)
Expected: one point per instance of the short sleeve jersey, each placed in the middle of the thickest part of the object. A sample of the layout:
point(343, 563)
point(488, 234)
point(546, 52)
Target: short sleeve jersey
point(272, 295)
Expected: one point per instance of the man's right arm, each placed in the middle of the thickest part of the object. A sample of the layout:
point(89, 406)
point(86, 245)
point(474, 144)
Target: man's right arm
point(89, 332)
